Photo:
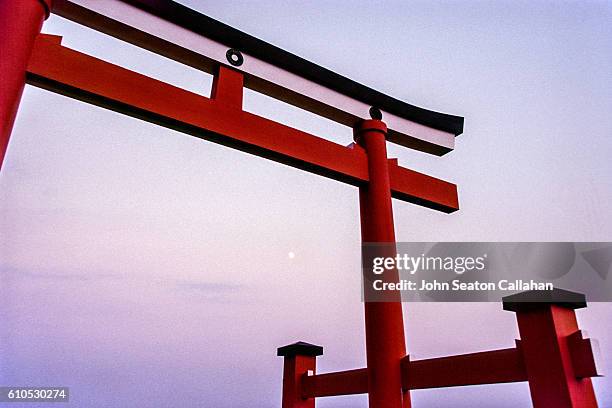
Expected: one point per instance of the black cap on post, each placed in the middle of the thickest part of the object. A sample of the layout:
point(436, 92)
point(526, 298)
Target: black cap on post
point(536, 299)
point(300, 349)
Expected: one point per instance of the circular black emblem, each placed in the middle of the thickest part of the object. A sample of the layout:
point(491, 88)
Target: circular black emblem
point(234, 57)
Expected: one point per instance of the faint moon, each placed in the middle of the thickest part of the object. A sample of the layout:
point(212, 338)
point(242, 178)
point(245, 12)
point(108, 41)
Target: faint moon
point(291, 255)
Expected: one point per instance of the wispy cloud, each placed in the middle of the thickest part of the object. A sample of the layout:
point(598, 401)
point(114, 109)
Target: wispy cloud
point(19, 273)
point(209, 287)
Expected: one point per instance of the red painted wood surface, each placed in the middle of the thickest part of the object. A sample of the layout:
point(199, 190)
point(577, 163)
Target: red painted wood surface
point(20, 23)
point(294, 369)
point(92, 80)
point(547, 335)
point(488, 367)
point(384, 324)
point(338, 383)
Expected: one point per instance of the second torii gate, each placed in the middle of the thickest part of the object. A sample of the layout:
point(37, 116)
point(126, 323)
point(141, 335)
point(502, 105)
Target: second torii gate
point(42, 61)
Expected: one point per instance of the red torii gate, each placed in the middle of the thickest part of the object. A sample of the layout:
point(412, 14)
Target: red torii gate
point(551, 355)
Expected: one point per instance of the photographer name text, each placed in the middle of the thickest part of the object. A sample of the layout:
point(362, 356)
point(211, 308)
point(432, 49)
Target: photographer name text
point(458, 285)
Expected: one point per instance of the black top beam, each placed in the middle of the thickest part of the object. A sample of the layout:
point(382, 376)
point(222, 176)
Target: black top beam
point(215, 30)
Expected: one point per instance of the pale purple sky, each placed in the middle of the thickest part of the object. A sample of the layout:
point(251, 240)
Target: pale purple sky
point(143, 267)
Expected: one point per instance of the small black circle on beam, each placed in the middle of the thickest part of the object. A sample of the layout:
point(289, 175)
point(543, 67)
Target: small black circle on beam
point(234, 57)
point(375, 113)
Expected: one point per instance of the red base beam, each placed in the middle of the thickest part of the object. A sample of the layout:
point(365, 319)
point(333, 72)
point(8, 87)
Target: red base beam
point(552, 356)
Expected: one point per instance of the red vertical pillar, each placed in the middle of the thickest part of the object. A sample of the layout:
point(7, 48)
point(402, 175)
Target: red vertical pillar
point(20, 23)
point(546, 328)
point(384, 326)
point(300, 358)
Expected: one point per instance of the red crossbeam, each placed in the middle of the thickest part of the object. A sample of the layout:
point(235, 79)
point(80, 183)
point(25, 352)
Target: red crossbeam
point(338, 383)
point(487, 367)
point(72, 73)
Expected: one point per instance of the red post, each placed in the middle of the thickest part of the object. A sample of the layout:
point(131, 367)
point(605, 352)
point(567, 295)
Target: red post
point(227, 87)
point(384, 326)
point(20, 23)
point(547, 330)
point(300, 359)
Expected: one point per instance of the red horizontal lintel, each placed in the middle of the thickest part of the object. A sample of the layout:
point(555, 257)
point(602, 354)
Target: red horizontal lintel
point(487, 367)
point(339, 383)
point(80, 76)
